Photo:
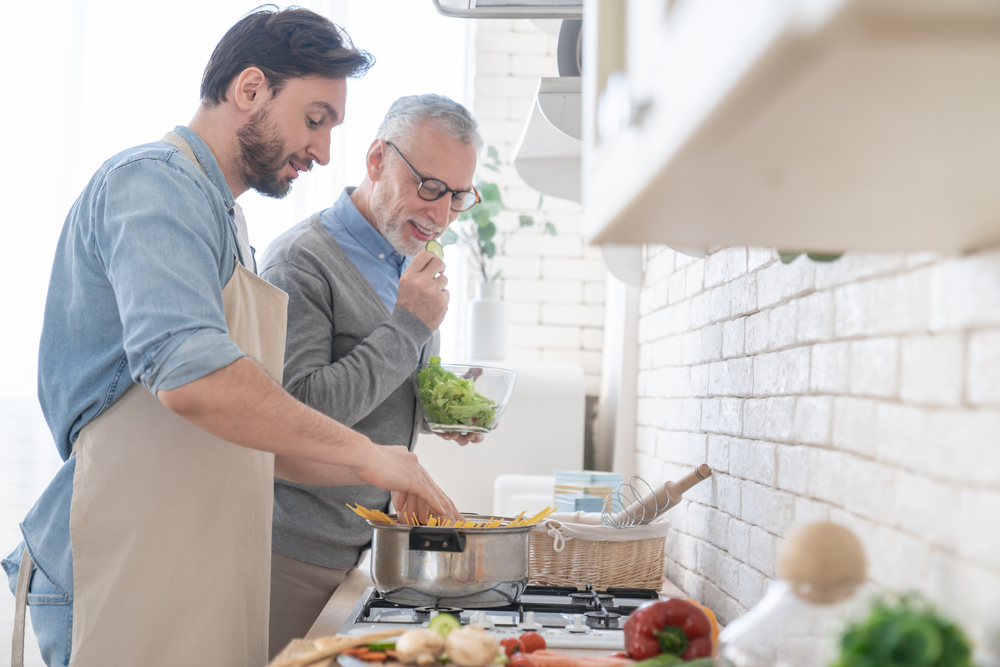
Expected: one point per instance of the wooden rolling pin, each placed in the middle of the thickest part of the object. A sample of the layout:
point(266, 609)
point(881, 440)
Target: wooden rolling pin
point(654, 504)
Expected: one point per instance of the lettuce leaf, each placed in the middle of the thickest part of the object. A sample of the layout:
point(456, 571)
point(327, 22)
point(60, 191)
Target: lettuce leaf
point(452, 400)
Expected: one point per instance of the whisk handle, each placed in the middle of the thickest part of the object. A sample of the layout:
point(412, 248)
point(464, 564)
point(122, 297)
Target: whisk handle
point(678, 488)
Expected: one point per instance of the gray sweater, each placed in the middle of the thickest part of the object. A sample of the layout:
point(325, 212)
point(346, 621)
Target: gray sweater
point(349, 358)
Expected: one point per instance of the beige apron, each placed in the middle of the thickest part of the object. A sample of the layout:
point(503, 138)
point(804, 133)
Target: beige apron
point(171, 526)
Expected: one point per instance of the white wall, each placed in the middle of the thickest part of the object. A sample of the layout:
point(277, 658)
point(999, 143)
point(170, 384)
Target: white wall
point(864, 391)
point(554, 285)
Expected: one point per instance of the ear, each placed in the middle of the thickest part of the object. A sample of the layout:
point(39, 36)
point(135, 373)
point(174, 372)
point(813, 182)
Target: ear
point(375, 160)
point(250, 89)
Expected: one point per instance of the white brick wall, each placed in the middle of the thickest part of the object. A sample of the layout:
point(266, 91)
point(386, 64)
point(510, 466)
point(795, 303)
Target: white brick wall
point(554, 285)
point(864, 391)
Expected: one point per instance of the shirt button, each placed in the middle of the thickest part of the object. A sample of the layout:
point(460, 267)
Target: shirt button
point(381, 255)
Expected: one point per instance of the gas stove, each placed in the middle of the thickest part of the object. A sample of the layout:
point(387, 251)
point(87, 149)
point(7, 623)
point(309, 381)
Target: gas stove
point(566, 617)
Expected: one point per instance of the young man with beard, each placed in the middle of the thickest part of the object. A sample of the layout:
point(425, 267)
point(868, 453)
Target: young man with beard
point(365, 303)
point(160, 368)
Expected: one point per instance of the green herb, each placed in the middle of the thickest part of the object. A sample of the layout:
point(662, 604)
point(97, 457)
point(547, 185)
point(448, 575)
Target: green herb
point(661, 660)
point(904, 632)
point(449, 399)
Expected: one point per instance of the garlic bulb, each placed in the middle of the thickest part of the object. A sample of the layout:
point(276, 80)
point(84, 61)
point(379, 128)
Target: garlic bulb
point(419, 647)
point(471, 647)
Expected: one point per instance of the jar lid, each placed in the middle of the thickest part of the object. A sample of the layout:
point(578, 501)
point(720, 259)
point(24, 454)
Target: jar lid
point(822, 562)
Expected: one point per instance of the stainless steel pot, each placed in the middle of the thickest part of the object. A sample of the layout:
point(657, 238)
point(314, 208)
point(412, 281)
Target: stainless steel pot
point(450, 567)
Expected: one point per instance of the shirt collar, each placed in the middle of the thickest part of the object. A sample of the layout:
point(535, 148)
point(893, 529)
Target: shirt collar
point(349, 217)
point(209, 165)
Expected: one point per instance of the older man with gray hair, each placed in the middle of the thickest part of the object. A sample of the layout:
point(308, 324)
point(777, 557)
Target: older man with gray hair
point(365, 303)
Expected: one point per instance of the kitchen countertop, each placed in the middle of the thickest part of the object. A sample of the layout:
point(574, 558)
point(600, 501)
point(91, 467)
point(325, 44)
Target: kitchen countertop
point(357, 580)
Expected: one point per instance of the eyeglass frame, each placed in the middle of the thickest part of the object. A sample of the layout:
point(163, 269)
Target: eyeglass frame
point(446, 190)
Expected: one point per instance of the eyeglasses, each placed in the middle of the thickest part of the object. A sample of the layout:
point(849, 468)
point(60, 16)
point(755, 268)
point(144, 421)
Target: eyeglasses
point(432, 189)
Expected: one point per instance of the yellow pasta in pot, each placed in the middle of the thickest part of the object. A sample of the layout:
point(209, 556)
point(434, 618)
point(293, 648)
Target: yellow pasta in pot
point(377, 516)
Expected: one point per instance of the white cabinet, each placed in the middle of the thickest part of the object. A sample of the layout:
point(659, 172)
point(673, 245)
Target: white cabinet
point(804, 124)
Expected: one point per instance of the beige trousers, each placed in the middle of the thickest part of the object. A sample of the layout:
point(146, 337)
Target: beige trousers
point(299, 591)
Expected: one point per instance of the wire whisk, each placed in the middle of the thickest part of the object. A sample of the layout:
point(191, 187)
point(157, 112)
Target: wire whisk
point(638, 502)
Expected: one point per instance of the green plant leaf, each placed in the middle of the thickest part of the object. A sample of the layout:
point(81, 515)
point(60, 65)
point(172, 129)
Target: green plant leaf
point(491, 167)
point(488, 248)
point(482, 217)
point(464, 215)
point(496, 276)
point(828, 257)
point(540, 198)
point(486, 232)
point(491, 207)
point(788, 257)
point(526, 220)
point(449, 237)
point(492, 152)
point(550, 228)
point(489, 192)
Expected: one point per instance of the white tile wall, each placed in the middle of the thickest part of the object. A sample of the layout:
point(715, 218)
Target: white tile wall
point(554, 285)
point(864, 391)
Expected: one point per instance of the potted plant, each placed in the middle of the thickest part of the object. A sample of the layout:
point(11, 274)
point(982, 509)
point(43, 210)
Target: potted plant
point(476, 232)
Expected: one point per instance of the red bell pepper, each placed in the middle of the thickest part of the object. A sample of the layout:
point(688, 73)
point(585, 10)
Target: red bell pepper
point(672, 626)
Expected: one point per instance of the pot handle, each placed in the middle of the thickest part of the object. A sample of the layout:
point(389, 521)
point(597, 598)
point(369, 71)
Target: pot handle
point(432, 538)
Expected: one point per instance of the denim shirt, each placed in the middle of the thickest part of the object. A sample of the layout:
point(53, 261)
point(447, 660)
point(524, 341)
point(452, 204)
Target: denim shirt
point(374, 256)
point(135, 296)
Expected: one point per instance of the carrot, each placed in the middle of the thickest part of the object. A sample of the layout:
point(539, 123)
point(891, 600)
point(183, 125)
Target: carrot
point(356, 651)
point(391, 653)
point(373, 656)
point(554, 659)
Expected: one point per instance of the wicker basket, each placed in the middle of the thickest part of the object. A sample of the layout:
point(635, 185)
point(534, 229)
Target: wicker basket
point(569, 550)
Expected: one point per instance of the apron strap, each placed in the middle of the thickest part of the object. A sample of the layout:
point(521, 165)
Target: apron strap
point(178, 141)
point(20, 607)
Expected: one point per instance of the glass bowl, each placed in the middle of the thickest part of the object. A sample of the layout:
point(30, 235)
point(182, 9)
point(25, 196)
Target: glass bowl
point(455, 398)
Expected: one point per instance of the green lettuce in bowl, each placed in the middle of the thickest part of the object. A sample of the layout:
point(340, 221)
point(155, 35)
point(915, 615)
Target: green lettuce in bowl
point(459, 398)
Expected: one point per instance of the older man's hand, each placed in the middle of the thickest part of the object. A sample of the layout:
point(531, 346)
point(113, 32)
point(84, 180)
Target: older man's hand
point(462, 438)
point(422, 289)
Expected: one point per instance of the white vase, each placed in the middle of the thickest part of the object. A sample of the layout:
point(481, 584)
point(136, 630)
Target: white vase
point(487, 324)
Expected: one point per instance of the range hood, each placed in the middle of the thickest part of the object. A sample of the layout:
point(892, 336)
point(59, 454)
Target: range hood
point(510, 9)
point(547, 156)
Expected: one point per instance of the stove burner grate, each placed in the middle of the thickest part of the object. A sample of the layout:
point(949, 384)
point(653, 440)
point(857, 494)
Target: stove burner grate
point(424, 613)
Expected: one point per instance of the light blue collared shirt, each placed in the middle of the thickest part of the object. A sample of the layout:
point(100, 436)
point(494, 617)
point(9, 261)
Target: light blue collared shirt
point(135, 296)
point(374, 256)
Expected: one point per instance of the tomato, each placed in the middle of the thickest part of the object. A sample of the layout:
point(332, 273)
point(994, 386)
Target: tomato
point(512, 645)
point(532, 642)
point(520, 660)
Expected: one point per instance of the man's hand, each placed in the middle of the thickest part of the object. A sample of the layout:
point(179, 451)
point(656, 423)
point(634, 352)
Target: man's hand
point(397, 469)
point(409, 506)
point(422, 289)
point(462, 438)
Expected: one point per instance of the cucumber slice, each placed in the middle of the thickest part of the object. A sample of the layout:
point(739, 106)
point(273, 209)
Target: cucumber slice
point(443, 624)
point(382, 646)
point(435, 247)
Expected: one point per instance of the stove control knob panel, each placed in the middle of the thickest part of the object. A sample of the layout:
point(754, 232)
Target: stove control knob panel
point(529, 622)
point(578, 625)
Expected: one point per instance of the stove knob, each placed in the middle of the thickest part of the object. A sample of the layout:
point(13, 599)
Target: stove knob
point(482, 620)
point(578, 625)
point(529, 622)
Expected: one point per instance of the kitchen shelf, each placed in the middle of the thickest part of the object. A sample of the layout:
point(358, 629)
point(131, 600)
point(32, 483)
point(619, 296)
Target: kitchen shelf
point(819, 125)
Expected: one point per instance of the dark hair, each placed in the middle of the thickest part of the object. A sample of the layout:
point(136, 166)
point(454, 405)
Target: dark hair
point(284, 44)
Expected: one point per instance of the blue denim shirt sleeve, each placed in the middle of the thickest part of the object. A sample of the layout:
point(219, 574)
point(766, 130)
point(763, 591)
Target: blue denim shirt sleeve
point(161, 248)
